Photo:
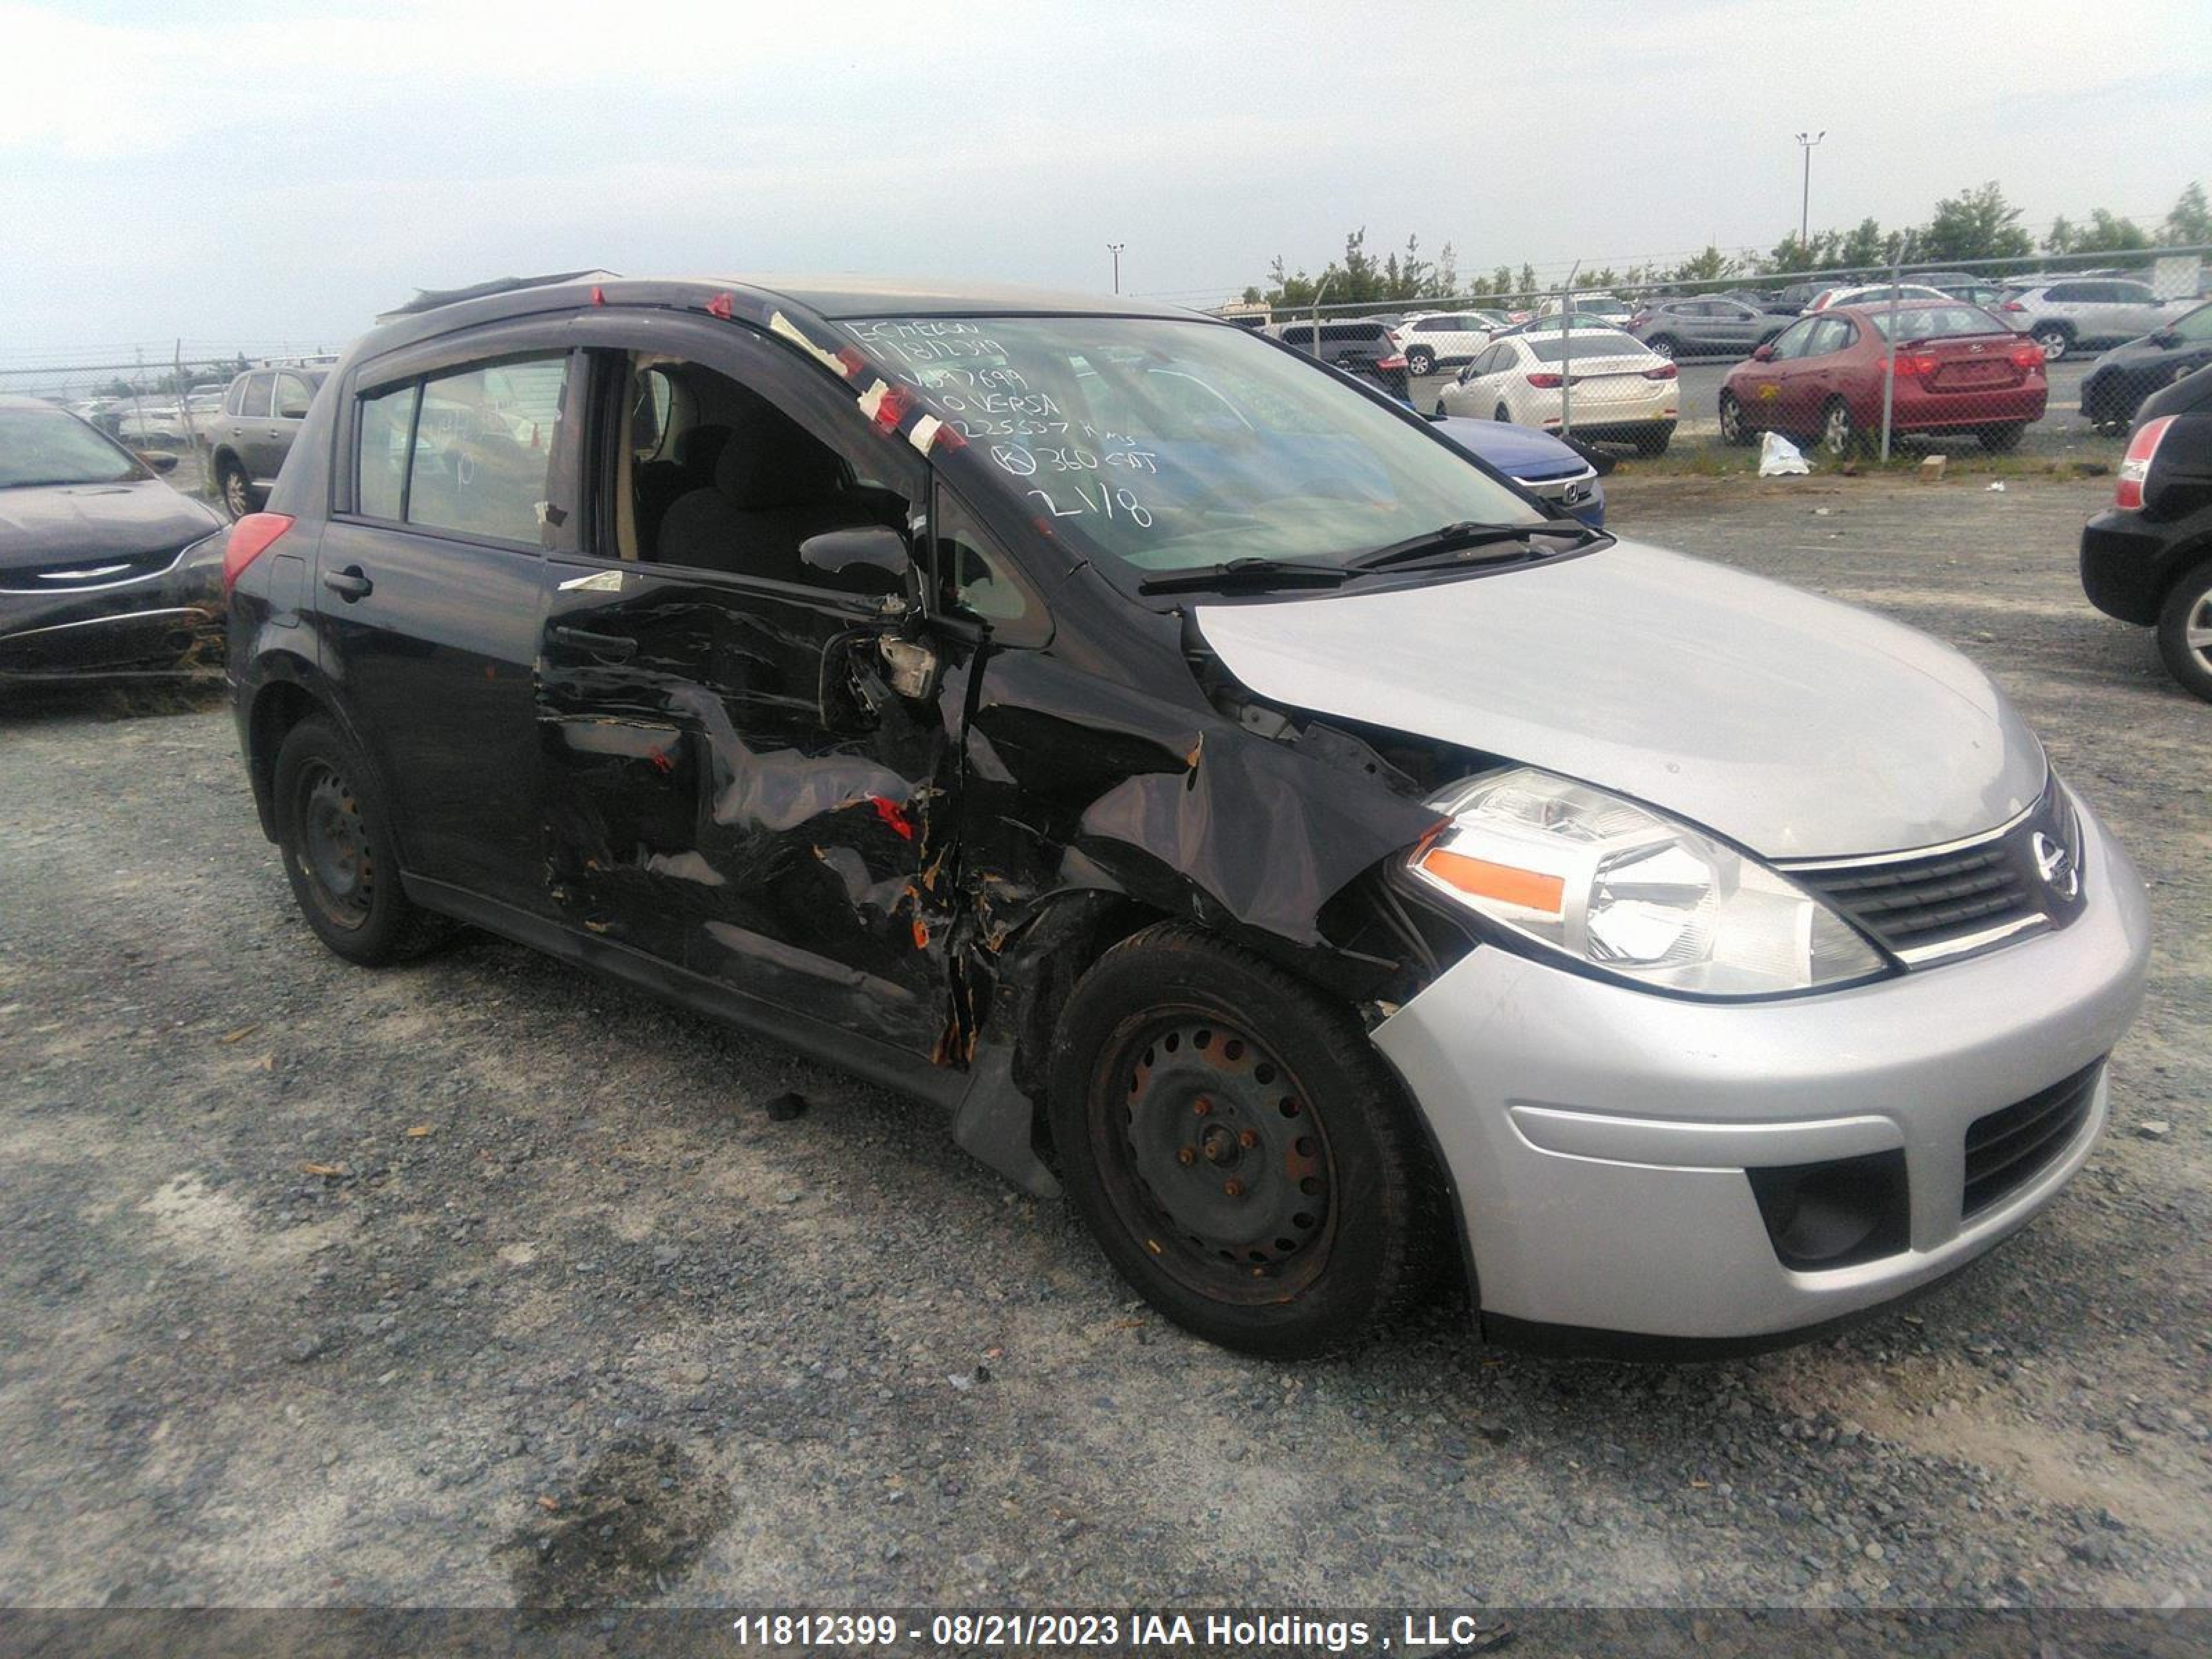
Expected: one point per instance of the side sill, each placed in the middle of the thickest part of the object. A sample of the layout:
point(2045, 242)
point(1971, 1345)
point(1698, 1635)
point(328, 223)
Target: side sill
point(833, 1045)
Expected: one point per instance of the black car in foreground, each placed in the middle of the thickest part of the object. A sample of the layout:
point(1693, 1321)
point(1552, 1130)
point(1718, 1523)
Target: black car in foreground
point(2147, 559)
point(2113, 391)
point(104, 570)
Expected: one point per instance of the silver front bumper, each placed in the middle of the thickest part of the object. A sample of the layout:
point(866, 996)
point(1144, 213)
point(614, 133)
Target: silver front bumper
point(1597, 1136)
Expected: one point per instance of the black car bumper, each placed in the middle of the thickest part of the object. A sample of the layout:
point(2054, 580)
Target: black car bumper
point(2125, 565)
point(166, 622)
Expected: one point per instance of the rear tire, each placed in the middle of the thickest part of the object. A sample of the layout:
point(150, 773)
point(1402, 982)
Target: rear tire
point(1655, 441)
point(2002, 440)
point(1665, 345)
point(1502, 415)
point(334, 831)
point(1238, 1149)
point(2056, 341)
point(237, 497)
point(1421, 361)
point(2185, 631)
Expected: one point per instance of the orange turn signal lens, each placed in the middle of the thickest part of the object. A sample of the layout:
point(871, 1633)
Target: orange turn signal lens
point(1530, 890)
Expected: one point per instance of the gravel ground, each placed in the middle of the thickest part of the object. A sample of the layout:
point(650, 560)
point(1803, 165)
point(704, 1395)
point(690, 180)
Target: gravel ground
point(483, 1281)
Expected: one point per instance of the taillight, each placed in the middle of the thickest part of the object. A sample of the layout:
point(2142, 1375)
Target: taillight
point(2012, 305)
point(1390, 363)
point(1545, 382)
point(2135, 466)
point(2029, 356)
point(1915, 365)
point(250, 537)
point(1664, 372)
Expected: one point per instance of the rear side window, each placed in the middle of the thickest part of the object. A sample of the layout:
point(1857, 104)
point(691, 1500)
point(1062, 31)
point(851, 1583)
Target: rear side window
point(253, 401)
point(471, 451)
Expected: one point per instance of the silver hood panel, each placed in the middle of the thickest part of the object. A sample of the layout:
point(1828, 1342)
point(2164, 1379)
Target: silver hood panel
point(1801, 727)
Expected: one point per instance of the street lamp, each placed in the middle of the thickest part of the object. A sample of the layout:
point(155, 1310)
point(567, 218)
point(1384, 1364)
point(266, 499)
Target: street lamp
point(1805, 142)
point(1114, 248)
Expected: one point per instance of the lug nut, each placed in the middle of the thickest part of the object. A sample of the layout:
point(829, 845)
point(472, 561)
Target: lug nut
point(1249, 1139)
point(1233, 1188)
point(1189, 1155)
point(1201, 1105)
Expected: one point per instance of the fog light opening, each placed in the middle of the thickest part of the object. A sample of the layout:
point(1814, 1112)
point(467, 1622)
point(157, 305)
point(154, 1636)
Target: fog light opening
point(1835, 1215)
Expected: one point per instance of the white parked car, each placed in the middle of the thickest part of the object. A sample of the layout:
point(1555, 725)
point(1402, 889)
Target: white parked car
point(1593, 308)
point(1611, 384)
point(1441, 339)
point(1874, 293)
point(2080, 311)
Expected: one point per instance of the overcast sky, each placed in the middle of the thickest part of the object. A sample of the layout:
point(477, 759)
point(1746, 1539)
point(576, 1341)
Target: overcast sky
point(239, 172)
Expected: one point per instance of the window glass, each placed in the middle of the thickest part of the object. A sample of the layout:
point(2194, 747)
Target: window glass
point(483, 448)
point(2067, 293)
point(234, 400)
point(1158, 445)
point(981, 578)
point(293, 396)
point(2134, 294)
point(255, 404)
point(1937, 322)
point(1792, 341)
point(2196, 326)
point(1829, 334)
point(381, 453)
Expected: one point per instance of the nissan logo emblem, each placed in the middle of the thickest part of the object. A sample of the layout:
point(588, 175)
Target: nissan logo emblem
point(2056, 866)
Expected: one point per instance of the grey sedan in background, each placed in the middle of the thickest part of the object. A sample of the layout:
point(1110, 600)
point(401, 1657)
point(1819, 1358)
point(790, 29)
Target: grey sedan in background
point(1711, 327)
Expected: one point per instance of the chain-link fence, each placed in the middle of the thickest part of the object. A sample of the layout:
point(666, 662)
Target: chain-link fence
point(1994, 355)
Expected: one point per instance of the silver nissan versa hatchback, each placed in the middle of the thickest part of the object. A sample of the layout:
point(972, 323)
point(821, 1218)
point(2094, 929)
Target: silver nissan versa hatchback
point(1232, 803)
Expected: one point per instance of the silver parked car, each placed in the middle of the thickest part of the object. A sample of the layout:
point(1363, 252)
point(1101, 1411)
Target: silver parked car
point(2086, 311)
point(1705, 327)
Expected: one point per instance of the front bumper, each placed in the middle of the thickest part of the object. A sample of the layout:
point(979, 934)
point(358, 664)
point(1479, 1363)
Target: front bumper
point(1597, 1137)
point(166, 622)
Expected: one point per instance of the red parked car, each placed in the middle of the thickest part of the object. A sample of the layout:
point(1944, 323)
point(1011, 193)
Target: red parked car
point(1958, 369)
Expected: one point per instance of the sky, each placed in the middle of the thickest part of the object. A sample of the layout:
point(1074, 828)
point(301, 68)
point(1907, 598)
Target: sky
point(253, 175)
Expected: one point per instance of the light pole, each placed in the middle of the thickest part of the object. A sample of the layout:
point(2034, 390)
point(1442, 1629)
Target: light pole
point(1114, 248)
point(1805, 142)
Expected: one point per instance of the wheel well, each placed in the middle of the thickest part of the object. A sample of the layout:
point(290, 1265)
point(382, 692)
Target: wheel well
point(225, 456)
point(280, 706)
point(2052, 326)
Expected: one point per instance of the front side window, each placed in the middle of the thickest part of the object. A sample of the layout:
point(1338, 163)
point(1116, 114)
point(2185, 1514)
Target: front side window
point(1162, 445)
point(293, 396)
point(2196, 326)
point(1792, 341)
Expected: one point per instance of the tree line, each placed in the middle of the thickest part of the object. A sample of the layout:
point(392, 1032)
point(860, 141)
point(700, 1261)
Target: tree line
point(1975, 224)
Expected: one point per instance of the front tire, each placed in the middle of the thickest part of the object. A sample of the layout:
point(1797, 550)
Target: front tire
point(2185, 631)
point(1734, 430)
point(1840, 436)
point(1238, 1149)
point(334, 831)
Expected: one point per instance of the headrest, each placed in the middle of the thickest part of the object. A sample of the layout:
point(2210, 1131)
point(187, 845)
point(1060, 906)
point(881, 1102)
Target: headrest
point(770, 461)
point(697, 448)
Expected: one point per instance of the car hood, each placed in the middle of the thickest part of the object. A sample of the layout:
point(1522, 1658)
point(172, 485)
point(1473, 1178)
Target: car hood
point(1797, 726)
point(1519, 452)
point(54, 523)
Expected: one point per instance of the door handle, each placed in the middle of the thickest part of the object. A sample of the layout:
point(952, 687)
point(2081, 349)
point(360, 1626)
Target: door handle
point(349, 584)
point(612, 645)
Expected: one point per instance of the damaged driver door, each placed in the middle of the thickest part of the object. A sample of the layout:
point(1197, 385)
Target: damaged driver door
point(747, 774)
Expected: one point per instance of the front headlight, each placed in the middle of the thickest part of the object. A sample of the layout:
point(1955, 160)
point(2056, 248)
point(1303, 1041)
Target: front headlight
point(1606, 882)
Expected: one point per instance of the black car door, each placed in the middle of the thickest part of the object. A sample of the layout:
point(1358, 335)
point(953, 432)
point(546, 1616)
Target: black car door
point(455, 474)
point(745, 771)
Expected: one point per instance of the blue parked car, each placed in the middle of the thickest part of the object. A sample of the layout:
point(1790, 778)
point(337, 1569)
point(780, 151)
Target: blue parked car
point(1565, 477)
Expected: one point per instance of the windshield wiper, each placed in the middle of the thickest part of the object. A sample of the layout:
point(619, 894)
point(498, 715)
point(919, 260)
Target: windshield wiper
point(1249, 572)
point(1467, 536)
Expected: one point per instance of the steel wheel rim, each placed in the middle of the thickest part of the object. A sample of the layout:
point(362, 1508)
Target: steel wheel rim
point(2054, 345)
point(235, 495)
point(1215, 1159)
point(1662, 349)
point(2197, 630)
point(1836, 436)
point(334, 855)
point(1731, 421)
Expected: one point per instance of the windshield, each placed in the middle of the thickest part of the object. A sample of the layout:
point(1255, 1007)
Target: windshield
point(51, 446)
point(1935, 322)
point(1169, 445)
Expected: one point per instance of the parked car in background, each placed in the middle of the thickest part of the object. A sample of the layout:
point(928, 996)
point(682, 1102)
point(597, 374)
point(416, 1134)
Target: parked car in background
point(104, 570)
point(1352, 873)
point(1564, 478)
point(1958, 369)
point(2118, 382)
point(154, 422)
point(1612, 386)
point(2086, 311)
point(248, 438)
point(1359, 346)
point(1793, 300)
point(1604, 308)
point(2146, 558)
point(1704, 327)
point(1444, 339)
point(1868, 293)
point(1983, 291)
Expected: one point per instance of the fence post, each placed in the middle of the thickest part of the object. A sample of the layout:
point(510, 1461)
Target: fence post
point(1567, 353)
point(1889, 365)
